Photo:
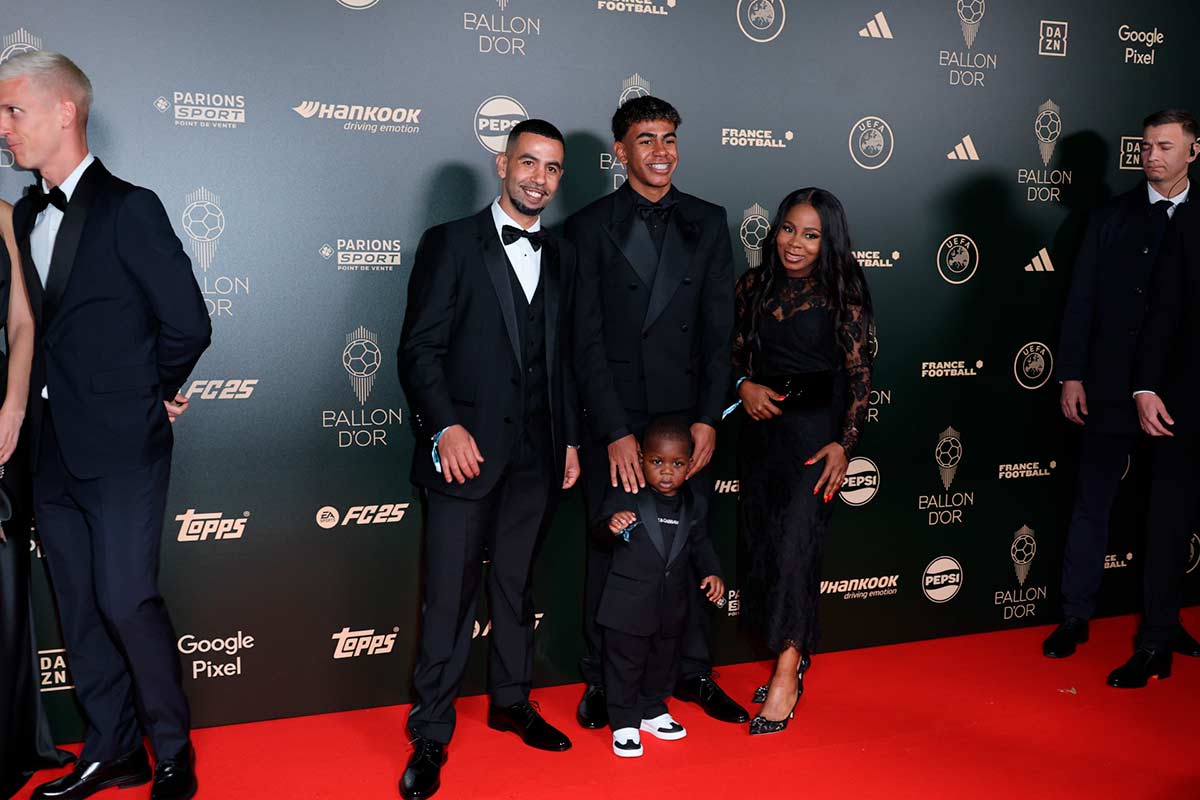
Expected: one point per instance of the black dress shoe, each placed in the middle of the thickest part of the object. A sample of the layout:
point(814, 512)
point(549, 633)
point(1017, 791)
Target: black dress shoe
point(89, 777)
point(1138, 670)
point(593, 708)
point(524, 720)
point(704, 692)
point(1061, 643)
point(1185, 645)
point(423, 775)
point(175, 778)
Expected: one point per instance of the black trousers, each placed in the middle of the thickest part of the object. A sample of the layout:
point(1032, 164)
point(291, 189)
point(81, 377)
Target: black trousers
point(1103, 458)
point(1174, 481)
point(639, 676)
point(507, 522)
point(695, 653)
point(101, 537)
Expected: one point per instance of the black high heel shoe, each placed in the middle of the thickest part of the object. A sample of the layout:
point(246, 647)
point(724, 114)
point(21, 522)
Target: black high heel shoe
point(761, 725)
point(760, 694)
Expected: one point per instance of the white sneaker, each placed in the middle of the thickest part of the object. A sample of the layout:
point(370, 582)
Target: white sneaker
point(664, 726)
point(627, 742)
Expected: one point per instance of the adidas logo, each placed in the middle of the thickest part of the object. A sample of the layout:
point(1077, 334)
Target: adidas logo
point(1041, 263)
point(877, 28)
point(964, 151)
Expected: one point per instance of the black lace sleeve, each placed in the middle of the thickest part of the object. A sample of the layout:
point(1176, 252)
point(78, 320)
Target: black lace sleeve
point(855, 339)
point(741, 303)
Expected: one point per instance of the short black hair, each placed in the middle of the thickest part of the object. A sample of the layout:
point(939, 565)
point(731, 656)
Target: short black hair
point(642, 109)
point(538, 127)
point(1171, 115)
point(673, 429)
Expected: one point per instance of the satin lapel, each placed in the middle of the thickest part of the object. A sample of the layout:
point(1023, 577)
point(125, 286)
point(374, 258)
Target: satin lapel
point(66, 245)
point(678, 246)
point(681, 535)
point(497, 269)
point(551, 290)
point(648, 513)
point(632, 237)
point(23, 230)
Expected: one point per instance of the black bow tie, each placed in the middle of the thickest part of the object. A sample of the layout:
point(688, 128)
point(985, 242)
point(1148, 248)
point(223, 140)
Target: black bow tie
point(656, 212)
point(43, 200)
point(510, 233)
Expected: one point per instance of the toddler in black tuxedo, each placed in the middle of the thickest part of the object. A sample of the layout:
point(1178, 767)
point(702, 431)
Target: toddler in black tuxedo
point(653, 535)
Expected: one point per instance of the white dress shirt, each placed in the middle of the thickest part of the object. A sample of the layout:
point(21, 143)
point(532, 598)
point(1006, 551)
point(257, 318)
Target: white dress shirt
point(526, 261)
point(45, 228)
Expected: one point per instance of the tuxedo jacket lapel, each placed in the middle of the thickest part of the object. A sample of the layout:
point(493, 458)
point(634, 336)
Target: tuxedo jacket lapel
point(648, 513)
point(630, 235)
point(66, 245)
point(496, 264)
point(678, 246)
point(23, 229)
point(551, 290)
point(685, 529)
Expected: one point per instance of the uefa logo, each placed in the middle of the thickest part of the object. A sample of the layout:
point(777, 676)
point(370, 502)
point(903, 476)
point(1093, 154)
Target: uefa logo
point(1033, 365)
point(494, 118)
point(861, 483)
point(761, 20)
point(871, 142)
point(942, 579)
point(357, 5)
point(20, 41)
point(361, 359)
point(957, 259)
point(203, 222)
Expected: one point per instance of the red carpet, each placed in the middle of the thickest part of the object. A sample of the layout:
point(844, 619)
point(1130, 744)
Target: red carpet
point(971, 717)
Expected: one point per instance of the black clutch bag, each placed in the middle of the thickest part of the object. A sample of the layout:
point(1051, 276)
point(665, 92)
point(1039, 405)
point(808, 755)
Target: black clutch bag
point(803, 390)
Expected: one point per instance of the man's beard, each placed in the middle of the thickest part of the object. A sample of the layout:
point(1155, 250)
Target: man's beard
point(524, 209)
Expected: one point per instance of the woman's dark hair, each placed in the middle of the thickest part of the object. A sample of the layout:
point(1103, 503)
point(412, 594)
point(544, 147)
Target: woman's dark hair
point(836, 276)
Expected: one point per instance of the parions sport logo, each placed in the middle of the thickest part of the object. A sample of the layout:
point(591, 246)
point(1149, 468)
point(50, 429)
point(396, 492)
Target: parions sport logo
point(203, 109)
point(362, 255)
point(364, 118)
point(329, 517)
point(494, 118)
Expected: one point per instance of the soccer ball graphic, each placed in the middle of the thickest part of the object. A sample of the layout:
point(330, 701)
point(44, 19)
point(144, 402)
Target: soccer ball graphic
point(970, 11)
point(361, 358)
point(204, 221)
point(1023, 549)
point(948, 452)
point(1033, 365)
point(958, 259)
point(871, 142)
point(1047, 126)
point(754, 231)
point(761, 14)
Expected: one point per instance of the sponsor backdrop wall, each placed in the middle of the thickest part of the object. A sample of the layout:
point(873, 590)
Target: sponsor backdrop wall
point(302, 147)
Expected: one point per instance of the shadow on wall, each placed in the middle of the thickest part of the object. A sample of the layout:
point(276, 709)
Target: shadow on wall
point(583, 180)
point(450, 194)
point(1084, 155)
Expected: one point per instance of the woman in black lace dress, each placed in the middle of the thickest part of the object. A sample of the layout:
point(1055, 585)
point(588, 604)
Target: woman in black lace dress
point(802, 351)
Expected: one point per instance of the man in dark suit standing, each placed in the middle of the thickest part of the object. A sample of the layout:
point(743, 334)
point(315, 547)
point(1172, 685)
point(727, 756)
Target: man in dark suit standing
point(120, 323)
point(1167, 376)
point(485, 363)
point(1105, 312)
point(654, 319)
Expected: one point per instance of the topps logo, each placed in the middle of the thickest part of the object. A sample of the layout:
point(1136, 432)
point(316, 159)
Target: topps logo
point(329, 517)
point(195, 527)
point(351, 644)
point(235, 389)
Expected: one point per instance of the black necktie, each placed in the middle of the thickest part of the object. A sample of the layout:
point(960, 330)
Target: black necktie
point(510, 233)
point(1162, 208)
point(43, 200)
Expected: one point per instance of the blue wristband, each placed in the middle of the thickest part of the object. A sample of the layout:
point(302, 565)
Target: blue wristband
point(437, 460)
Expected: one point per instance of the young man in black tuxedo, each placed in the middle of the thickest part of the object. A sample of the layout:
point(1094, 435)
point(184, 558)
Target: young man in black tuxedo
point(1106, 309)
point(654, 313)
point(652, 536)
point(1167, 376)
point(120, 324)
point(484, 361)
